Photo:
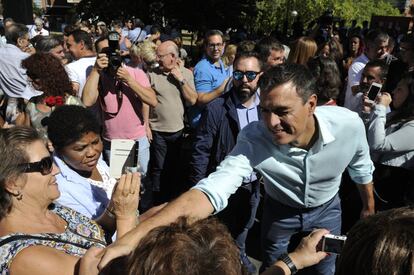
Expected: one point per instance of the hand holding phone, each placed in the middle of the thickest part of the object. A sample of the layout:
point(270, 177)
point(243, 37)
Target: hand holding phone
point(374, 90)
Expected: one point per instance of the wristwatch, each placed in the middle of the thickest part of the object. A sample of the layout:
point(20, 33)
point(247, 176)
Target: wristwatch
point(288, 261)
point(182, 82)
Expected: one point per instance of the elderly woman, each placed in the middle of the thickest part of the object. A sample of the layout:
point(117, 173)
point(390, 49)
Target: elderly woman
point(47, 75)
point(37, 236)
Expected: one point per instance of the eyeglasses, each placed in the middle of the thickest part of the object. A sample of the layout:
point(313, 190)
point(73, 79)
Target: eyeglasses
point(213, 46)
point(160, 56)
point(251, 75)
point(44, 166)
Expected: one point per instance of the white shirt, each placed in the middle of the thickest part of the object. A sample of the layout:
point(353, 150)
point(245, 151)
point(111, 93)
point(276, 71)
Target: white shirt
point(79, 71)
point(34, 32)
point(353, 102)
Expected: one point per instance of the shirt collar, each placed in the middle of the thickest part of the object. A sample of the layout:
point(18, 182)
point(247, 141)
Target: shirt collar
point(325, 135)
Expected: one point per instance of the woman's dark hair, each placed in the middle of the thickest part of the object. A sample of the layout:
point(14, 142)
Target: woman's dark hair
point(69, 123)
point(13, 143)
point(202, 247)
point(361, 43)
point(406, 112)
point(328, 80)
point(382, 244)
point(49, 73)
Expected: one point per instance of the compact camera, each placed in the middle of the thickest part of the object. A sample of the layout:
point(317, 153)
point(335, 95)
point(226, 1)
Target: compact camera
point(332, 243)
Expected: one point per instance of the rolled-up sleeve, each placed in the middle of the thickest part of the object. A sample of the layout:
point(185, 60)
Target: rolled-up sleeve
point(221, 184)
point(361, 167)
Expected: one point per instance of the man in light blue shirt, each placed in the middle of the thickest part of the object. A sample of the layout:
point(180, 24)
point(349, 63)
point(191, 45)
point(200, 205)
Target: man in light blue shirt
point(210, 75)
point(301, 151)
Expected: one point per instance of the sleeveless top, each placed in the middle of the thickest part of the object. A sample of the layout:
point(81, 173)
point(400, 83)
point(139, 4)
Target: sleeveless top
point(80, 234)
point(36, 116)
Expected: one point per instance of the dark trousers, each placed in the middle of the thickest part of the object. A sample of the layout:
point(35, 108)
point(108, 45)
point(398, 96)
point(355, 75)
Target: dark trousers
point(165, 165)
point(240, 213)
point(280, 222)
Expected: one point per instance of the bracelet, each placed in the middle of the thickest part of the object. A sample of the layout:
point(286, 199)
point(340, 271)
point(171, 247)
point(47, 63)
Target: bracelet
point(288, 261)
point(109, 213)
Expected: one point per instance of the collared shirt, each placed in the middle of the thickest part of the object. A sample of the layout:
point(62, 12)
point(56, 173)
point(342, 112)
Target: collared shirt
point(207, 77)
point(13, 78)
point(82, 194)
point(247, 115)
point(293, 176)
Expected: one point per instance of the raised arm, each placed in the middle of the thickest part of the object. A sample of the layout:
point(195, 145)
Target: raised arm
point(90, 90)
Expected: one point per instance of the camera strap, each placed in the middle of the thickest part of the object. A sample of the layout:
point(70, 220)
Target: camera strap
point(119, 98)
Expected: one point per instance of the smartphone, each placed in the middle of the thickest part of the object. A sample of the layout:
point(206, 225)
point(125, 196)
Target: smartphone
point(332, 243)
point(374, 90)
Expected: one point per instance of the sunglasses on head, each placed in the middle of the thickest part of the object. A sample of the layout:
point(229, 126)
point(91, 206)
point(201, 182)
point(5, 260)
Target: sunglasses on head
point(251, 75)
point(44, 166)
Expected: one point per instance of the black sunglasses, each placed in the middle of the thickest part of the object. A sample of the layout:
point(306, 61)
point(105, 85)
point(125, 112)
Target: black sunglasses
point(251, 75)
point(44, 166)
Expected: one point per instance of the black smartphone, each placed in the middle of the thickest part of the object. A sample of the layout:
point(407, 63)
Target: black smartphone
point(374, 90)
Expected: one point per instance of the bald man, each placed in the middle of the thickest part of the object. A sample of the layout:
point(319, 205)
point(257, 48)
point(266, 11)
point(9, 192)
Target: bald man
point(174, 87)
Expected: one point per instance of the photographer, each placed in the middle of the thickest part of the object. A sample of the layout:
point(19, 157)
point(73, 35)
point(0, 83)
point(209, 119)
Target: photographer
point(124, 94)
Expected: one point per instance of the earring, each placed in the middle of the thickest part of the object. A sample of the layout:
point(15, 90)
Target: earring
point(19, 196)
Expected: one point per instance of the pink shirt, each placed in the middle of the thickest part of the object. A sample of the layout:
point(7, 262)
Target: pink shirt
point(122, 118)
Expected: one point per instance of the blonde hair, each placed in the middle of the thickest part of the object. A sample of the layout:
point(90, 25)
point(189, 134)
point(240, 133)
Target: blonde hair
point(145, 50)
point(231, 49)
point(303, 49)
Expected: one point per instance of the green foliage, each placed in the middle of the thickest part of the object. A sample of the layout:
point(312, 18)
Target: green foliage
point(272, 13)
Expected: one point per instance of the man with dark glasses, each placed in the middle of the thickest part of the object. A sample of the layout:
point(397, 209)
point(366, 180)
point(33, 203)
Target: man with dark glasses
point(216, 136)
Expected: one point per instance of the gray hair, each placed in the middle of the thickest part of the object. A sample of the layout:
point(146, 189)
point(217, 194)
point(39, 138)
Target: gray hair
point(47, 43)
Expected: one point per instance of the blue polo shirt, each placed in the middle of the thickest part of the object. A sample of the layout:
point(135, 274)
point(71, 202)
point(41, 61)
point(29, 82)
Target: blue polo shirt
point(207, 77)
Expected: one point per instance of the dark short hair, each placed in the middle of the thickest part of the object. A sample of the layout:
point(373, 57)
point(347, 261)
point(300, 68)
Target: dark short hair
point(13, 143)
point(380, 245)
point(266, 45)
point(69, 123)
point(298, 74)
point(244, 55)
point(211, 33)
point(15, 32)
point(80, 35)
point(378, 63)
point(202, 247)
point(117, 23)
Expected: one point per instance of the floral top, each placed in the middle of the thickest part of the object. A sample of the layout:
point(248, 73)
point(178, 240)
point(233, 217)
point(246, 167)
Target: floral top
point(80, 230)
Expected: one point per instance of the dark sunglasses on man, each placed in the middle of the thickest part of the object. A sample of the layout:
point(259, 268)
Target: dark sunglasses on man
point(251, 75)
point(44, 166)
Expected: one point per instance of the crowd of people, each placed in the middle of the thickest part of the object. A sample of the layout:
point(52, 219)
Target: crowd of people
point(289, 121)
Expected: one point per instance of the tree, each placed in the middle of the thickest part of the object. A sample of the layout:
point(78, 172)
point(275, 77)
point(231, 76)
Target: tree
point(273, 13)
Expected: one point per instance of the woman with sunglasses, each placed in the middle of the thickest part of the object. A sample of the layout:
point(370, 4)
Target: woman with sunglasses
point(392, 149)
point(37, 236)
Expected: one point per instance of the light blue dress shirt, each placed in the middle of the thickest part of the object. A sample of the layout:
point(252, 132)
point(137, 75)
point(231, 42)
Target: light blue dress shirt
point(293, 176)
point(77, 193)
